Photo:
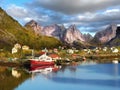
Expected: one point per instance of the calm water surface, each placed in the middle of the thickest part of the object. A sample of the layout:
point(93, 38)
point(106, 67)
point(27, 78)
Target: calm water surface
point(73, 77)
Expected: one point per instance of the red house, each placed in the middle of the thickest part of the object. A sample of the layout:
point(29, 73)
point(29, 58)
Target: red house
point(54, 56)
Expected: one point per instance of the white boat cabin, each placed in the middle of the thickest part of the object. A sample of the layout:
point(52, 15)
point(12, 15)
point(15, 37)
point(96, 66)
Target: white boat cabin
point(44, 57)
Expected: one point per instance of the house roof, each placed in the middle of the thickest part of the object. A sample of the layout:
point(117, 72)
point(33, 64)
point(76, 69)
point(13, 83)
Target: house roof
point(53, 55)
point(41, 53)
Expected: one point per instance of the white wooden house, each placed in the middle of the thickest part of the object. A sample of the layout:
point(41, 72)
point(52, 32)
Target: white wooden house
point(14, 50)
point(115, 50)
point(17, 46)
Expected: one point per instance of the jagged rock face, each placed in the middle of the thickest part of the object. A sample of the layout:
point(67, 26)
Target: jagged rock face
point(58, 31)
point(88, 37)
point(53, 31)
point(73, 34)
point(107, 34)
point(116, 40)
point(62, 33)
point(35, 26)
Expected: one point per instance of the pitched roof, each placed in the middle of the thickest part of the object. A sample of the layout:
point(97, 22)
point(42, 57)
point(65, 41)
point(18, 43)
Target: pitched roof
point(53, 55)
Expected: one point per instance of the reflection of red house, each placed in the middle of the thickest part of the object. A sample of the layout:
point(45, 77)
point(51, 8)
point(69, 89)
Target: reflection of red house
point(54, 56)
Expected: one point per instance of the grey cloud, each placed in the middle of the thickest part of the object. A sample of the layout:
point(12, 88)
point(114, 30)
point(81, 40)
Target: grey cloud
point(17, 12)
point(67, 11)
point(75, 6)
point(93, 24)
point(25, 14)
point(66, 7)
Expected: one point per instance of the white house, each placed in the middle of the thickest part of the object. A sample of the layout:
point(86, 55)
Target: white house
point(105, 49)
point(17, 46)
point(115, 50)
point(14, 50)
point(89, 51)
point(70, 51)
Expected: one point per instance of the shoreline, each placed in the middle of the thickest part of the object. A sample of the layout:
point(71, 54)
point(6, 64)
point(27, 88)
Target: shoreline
point(10, 64)
point(99, 59)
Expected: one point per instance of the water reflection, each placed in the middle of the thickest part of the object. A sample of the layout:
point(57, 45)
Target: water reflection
point(43, 69)
point(110, 69)
point(99, 75)
point(98, 82)
point(11, 77)
point(16, 73)
point(74, 76)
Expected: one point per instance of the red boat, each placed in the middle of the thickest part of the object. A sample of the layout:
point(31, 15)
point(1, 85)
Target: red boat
point(33, 62)
point(43, 60)
point(43, 69)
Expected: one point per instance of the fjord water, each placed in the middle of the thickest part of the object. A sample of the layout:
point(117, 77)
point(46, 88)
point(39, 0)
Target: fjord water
point(84, 76)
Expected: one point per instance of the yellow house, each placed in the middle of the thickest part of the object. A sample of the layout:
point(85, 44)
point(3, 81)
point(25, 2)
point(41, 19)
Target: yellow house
point(25, 47)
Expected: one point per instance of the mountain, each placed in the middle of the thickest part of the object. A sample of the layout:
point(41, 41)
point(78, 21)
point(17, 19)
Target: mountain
point(106, 35)
point(66, 35)
point(34, 26)
point(38, 36)
point(12, 32)
point(88, 37)
point(6, 38)
point(116, 40)
point(9, 29)
point(53, 31)
point(73, 34)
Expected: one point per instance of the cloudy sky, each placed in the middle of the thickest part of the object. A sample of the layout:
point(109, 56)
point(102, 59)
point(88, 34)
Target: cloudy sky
point(88, 15)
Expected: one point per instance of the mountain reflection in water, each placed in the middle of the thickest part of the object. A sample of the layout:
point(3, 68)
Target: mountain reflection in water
point(75, 76)
point(99, 82)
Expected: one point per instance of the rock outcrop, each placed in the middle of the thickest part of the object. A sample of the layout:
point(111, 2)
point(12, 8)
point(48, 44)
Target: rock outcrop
point(68, 35)
point(116, 40)
point(106, 35)
point(53, 31)
point(87, 37)
point(34, 26)
point(73, 34)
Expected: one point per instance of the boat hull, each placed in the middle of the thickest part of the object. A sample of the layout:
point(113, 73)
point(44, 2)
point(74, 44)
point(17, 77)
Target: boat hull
point(41, 63)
